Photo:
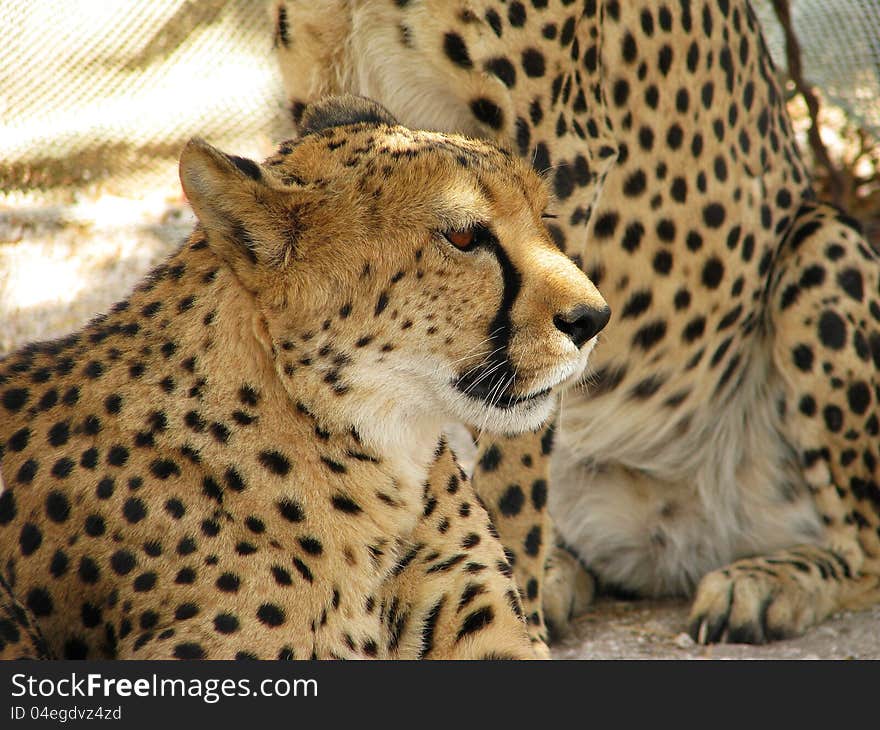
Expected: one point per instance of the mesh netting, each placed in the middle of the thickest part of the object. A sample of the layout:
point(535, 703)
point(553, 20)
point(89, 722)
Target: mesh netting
point(840, 49)
point(91, 89)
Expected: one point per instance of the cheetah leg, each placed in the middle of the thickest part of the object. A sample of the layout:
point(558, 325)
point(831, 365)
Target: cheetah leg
point(451, 595)
point(20, 637)
point(568, 590)
point(825, 324)
point(510, 477)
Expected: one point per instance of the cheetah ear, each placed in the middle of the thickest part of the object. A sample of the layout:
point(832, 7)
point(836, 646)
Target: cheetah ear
point(337, 111)
point(243, 208)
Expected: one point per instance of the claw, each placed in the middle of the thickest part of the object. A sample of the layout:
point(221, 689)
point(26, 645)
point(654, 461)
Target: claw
point(703, 633)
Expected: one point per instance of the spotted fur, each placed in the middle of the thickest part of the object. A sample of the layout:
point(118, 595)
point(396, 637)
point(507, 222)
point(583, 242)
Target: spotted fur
point(244, 458)
point(726, 445)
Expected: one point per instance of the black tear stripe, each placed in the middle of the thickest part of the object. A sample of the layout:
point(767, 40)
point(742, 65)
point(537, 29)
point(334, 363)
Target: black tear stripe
point(500, 333)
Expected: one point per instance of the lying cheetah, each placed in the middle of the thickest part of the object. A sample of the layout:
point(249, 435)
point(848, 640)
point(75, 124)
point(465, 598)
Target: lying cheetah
point(726, 446)
point(244, 458)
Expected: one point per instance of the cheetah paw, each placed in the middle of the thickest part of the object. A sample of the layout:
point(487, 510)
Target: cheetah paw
point(568, 590)
point(743, 607)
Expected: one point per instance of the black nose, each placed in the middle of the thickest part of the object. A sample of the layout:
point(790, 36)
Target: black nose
point(582, 323)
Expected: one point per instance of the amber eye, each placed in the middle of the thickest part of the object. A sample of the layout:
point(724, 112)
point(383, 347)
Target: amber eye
point(467, 239)
point(461, 239)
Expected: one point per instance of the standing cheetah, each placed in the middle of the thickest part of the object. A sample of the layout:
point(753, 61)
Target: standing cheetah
point(726, 446)
point(244, 458)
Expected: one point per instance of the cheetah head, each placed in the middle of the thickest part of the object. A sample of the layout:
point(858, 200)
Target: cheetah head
point(398, 266)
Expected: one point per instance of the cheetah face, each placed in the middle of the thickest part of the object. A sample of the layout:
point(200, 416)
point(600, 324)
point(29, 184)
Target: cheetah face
point(395, 265)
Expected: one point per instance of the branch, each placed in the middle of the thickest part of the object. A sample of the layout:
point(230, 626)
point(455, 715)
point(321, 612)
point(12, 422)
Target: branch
point(795, 71)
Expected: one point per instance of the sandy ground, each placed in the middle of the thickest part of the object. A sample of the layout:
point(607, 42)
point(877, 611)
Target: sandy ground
point(60, 266)
point(655, 630)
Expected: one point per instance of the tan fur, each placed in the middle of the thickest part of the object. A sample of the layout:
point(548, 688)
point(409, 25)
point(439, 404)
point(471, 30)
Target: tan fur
point(244, 458)
point(727, 444)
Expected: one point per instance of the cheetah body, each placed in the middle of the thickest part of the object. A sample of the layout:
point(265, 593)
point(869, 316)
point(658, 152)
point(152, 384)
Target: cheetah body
point(726, 444)
point(244, 458)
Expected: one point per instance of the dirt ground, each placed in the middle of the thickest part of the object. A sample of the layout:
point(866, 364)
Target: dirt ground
point(655, 630)
point(61, 265)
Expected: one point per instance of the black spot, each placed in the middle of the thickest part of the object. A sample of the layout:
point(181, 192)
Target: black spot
point(59, 433)
point(539, 494)
point(39, 602)
point(563, 181)
point(713, 272)
point(488, 112)
point(833, 418)
point(605, 225)
point(94, 369)
point(637, 304)
point(807, 406)
point(15, 398)
point(220, 433)
point(8, 509)
point(635, 184)
point(345, 504)
point(456, 50)
point(303, 570)
point(89, 458)
point(832, 330)
point(228, 583)
point(547, 439)
point(189, 650)
point(662, 262)
point(164, 468)
point(117, 455)
point(311, 545)
point(803, 358)
point(290, 510)
point(57, 507)
point(175, 508)
point(503, 69)
point(850, 280)
point(134, 510)
point(88, 571)
point(713, 215)
point(650, 334)
point(491, 458)
point(511, 501)
point(632, 236)
point(186, 611)
point(532, 543)
point(270, 615)
point(274, 462)
point(225, 623)
point(859, 396)
point(27, 472)
point(234, 480)
point(282, 577)
point(533, 63)
point(30, 538)
point(516, 15)
point(620, 92)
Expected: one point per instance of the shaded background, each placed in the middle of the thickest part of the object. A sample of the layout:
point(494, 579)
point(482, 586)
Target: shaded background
point(98, 98)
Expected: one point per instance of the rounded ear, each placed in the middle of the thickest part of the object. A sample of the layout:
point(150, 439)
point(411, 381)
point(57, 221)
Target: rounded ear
point(206, 172)
point(337, 111)
point(248, 215)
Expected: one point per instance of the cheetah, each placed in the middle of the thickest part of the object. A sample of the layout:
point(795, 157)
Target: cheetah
point(245, 459)
point(725, 445)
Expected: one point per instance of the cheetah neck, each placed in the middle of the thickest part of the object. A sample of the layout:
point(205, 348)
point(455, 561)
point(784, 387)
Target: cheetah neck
point(316, 370)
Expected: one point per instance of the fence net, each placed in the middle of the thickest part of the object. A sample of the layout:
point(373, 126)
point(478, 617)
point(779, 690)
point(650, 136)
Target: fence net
point(92, 91)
